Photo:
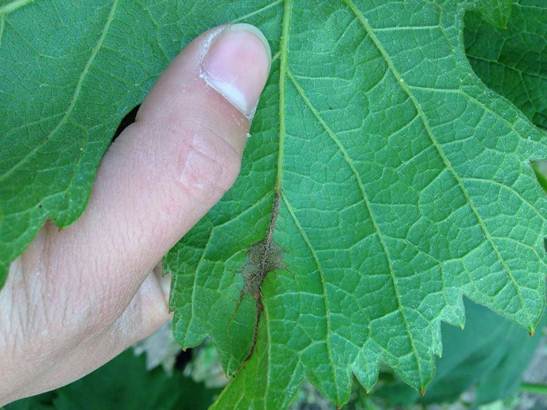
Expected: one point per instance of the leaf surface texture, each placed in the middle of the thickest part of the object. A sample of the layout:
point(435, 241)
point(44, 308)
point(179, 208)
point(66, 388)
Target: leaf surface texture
point(382, 182)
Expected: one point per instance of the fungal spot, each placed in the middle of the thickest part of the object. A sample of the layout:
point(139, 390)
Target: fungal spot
point(263, 258)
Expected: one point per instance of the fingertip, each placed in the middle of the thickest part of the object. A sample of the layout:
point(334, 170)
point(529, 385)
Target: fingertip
point(236, 65)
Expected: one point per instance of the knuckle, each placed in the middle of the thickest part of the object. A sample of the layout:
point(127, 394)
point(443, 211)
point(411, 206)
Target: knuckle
point(210, 165)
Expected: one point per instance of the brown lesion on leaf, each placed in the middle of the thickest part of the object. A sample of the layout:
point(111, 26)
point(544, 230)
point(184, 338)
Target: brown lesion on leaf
point(262, 258)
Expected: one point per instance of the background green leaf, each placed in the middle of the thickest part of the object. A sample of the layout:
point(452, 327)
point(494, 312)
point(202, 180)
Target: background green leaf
point(512, 61)
point(496, 12)
point(540, 168)
point(490, 354)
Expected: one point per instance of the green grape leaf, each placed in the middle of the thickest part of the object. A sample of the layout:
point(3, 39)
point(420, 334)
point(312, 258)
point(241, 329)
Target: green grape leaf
point(496, 12)
point(382, 182)
point(124, 383)
point(491, 354)
point(511, 61)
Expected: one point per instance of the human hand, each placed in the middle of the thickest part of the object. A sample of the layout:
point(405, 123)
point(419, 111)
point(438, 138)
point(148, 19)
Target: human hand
point(79, 296)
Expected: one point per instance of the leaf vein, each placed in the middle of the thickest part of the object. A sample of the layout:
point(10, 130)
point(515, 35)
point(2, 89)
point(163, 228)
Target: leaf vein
point(368, 207)
point(323, 286)
point(13, 6)
point(75, 95)
point(258, 11)
point(438, 147)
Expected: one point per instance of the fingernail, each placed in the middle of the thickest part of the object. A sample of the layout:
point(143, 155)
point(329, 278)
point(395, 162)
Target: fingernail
point(237, 64)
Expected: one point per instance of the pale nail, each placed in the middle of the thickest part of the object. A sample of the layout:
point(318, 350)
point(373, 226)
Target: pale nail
point(237, 64)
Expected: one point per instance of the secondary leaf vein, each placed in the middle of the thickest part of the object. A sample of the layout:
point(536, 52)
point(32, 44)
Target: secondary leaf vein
point(369, 30)
point(75, 95)
point(323, 287)
point(14, 5)
point(368, 207)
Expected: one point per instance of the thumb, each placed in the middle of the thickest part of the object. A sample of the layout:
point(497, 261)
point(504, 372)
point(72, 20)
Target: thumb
point(166, 170)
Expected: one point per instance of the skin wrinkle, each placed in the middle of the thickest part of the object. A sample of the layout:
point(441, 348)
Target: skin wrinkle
point(213, 153)
point(30, 289)
point(59, 357)
point(45, 268)
point(175, 123)
point(20, 290)
point(87, 306)
point(215, 157)
point(206, 140)
point(123, 326)
point(187, 144)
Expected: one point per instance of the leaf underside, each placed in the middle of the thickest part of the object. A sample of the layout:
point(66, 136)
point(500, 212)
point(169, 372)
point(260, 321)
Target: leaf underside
point(398, 183)
point(382, 182)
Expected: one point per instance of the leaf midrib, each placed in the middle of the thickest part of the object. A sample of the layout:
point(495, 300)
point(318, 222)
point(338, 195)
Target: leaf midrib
point(283, 66)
